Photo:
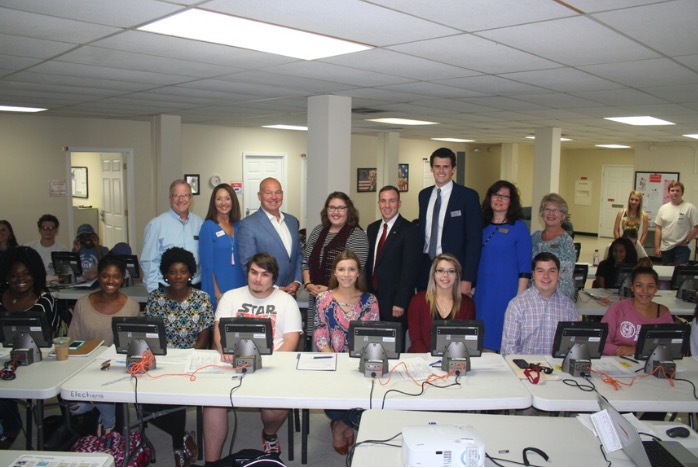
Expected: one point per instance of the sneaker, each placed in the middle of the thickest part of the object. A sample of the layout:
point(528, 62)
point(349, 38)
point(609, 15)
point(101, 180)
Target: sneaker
point(180, 459)
point(271, 443)
point(191, 451)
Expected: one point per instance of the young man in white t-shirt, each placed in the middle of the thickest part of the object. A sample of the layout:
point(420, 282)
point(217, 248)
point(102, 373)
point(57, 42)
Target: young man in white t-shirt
point(259, 299)
point(48, 230)
point(676, 227)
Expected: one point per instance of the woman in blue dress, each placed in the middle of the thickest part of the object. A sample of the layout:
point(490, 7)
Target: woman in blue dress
point(221, 270)
point(505, 260)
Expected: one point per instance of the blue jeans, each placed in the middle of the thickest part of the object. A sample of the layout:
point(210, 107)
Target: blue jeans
point(679, 255)
point(107, 411)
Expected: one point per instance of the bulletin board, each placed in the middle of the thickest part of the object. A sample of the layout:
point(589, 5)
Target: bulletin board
point(653, 186)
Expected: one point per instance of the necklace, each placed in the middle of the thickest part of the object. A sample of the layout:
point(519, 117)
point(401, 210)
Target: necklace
point(444, 310)
point(16, 299)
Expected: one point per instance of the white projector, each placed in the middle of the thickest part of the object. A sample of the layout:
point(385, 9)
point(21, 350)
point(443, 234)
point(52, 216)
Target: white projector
point(434, 445)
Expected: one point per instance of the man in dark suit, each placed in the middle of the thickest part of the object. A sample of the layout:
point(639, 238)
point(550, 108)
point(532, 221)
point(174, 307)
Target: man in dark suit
point(458, 221)
point(276, 233)
point(391, 273)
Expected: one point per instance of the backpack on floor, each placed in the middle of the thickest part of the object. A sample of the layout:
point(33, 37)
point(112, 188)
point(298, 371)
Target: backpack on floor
point(113, 444)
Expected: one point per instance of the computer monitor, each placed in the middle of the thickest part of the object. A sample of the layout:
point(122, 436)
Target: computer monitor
point(67, 266)
point(579, 341)
point(374, 343)
point(456, 341)
point(662, 342)
point(624, 281)
point(132, 266)
point(247, 339)
point(26, 330)
point(134, 336)
point(581, 271)
point(683, 273)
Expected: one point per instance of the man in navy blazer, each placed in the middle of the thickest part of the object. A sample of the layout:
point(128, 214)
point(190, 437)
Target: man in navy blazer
point(459, 226)
point(392, 274)
point(276, 233)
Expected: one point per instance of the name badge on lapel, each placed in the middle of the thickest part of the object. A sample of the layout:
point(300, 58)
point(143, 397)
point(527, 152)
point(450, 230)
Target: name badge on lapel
point(220, 233)
point(455, 213)
point(504, 230)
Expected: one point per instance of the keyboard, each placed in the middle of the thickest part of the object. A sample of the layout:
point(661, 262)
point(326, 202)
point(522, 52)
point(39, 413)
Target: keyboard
point(658, 455)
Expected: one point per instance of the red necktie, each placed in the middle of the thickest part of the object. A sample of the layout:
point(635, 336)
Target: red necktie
point(374, 278)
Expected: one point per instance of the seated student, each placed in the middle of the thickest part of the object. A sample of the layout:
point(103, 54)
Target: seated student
point(441, 301)
point(625, 317)
point(188, 316)
point(92, 321)
point(48, 230)
point(631, 234)
point(87, 244)
point(344, 301)
point(259, 299)
point(532, 316)
point(622, 253)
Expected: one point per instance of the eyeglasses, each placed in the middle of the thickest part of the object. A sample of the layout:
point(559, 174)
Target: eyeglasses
point(552, 210)
point(501, 196)
point(48, 228)
point(180, 196)
point(443, 271)
point(340, 209)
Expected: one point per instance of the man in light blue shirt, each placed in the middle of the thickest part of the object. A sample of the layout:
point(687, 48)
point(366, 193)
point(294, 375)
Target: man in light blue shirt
point(176, 227)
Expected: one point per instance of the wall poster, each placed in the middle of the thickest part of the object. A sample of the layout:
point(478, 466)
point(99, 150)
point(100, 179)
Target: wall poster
point(653, 186)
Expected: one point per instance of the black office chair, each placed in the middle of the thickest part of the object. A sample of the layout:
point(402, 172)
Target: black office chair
point(577, 249)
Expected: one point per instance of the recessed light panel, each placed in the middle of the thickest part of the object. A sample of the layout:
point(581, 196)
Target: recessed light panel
point(229, 30)
point(640, 120)
point(453, 140)
point(692, 135)
point(614, 146)
point(20, 109)
point(287, 127)
point(392, 121)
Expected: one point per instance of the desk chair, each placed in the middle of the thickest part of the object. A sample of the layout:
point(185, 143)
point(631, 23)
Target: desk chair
point(577, 250)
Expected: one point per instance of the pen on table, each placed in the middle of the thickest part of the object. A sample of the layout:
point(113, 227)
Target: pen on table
point(435, 363)
point(323, 357)
point(629, 359)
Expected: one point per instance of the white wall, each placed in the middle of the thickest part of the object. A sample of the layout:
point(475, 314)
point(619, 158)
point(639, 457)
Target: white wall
point(32, 156)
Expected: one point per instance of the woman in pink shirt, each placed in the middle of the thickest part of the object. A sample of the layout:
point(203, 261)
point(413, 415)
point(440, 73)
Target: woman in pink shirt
point(625, 318)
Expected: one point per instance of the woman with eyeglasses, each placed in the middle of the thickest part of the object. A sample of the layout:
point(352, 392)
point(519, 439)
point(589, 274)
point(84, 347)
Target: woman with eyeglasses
point(442, 300)
point(92, 317)
point(504, 270)
point(553, 238)
point(338, 231)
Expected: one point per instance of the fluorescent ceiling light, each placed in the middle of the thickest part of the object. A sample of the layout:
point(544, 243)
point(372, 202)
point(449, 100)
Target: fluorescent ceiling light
point(531, 137)
point(229, 30)
point(402, 121)
point(640, 120)
point(614, 146)
point(454, 140)
point(20, 109)
point(692, 135)
point(287, 127)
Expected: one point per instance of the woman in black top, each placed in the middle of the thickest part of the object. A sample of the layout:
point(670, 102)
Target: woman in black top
point(621, 253)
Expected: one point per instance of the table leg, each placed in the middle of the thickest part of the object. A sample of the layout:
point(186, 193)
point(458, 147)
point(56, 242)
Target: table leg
point(30, 424)
point(126, 433)
point(305, 423)
point(40, 424)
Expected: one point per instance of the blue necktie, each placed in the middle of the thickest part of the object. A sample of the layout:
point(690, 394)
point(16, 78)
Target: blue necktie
point(433, 241)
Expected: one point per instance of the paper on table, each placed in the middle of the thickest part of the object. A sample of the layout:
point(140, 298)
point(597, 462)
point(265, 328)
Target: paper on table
point(417, 367)
point(316, 361)
point(198, 362)
point(612, 368)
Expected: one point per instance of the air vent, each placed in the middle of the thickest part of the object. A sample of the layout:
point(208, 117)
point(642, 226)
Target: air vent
point(366, 111)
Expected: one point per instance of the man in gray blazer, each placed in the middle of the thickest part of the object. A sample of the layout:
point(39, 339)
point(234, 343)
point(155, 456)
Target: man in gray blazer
point(276, 233)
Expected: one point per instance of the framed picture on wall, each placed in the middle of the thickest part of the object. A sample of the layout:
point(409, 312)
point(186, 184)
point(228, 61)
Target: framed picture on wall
point(403, 177)
point(366, 179)
point(193, 181)
point(79, 182)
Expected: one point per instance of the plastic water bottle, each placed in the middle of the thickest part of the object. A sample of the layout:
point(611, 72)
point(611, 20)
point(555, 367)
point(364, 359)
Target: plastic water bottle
point(596, 257)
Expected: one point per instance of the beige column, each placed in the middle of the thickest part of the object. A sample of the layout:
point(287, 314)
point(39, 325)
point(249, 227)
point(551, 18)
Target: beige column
point(546, 169)
point(387, 159)
point(167, 148)
point(329, 151)
point(509, 162)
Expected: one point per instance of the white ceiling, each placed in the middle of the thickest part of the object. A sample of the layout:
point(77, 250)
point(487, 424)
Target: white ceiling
point(488, 70)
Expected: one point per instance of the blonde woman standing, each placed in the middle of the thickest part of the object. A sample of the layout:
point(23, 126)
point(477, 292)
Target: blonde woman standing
point(632, 217)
